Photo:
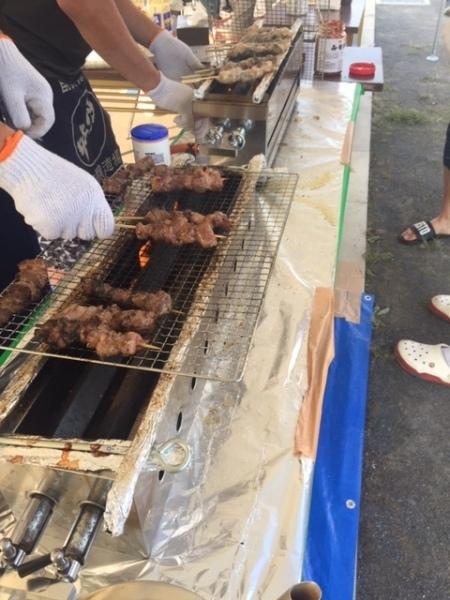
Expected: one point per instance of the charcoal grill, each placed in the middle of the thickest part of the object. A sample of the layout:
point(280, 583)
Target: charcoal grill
point(216, 293)
point(247, 119)
point(78, 434)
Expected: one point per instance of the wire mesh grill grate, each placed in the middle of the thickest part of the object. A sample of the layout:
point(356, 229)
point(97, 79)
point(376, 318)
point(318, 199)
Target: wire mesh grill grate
point(227, 26)
point(216, 293)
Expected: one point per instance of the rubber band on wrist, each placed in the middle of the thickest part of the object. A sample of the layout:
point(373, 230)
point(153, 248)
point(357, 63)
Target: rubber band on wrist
point(11, 143)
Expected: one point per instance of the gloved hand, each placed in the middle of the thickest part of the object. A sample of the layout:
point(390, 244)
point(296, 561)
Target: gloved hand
point(173, 57)
point(55, 197)
point(26, 95)
point(175, 97)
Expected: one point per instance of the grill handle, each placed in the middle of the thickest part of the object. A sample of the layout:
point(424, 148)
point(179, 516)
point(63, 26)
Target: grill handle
point(28, 530)
point(33, 565)
point(69, 559)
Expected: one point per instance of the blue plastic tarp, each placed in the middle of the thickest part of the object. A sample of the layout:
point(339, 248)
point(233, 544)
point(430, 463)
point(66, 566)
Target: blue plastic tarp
point(331, 548)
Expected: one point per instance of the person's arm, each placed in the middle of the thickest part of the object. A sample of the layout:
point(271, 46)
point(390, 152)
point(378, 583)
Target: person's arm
point(173, 57)
point(102, 26)
point(143, 29)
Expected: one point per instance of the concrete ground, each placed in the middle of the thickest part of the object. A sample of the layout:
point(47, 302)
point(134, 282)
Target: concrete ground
point(404, 548)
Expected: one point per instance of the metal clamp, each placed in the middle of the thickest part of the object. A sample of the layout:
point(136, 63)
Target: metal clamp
point(171, 456)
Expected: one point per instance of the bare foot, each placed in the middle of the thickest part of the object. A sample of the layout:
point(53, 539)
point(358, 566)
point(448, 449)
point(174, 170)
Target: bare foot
point(441, 226)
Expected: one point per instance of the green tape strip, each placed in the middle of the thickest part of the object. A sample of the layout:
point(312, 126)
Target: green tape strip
point(359, 91)
point(5, 354)
point(35, 316)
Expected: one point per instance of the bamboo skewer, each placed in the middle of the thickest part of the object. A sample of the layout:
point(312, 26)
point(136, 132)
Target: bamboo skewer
point(150, 347)
point(198, 79)
point(123, 226)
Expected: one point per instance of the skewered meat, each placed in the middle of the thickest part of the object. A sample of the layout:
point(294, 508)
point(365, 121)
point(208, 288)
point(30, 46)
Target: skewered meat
point(257, 54)
point(26, 288)
point(178, 227)
point(159, 303)
point(106, 342)
point(247, 70)
point(118, 183)
point(113, 317)
point(197, 179)
point(62, 332)
point(165, 179)
point(109, 331)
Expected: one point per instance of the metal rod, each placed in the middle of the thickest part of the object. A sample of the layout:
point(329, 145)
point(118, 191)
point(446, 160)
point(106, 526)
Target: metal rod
point(434, 57)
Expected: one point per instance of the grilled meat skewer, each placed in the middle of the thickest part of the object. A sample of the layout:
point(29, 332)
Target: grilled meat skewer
point(247, 70)
point(62, 333)
point(243, 50)
point(159, 303)
point(196, 179)
point(113, 317)
point(28, 287)
point(118, 183)
point(179, 228)
point(109, 331)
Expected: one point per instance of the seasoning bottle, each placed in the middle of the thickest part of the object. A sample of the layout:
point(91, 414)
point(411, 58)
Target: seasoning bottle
point(330, 47)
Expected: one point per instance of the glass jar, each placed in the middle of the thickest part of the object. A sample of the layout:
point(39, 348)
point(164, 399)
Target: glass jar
point(330, 47)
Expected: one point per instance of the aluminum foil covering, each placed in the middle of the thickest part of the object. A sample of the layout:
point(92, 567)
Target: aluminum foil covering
point(233, 525)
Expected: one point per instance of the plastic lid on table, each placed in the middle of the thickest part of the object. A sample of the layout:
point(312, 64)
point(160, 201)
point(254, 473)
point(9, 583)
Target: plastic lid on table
point(149, 132)
point(365, 70)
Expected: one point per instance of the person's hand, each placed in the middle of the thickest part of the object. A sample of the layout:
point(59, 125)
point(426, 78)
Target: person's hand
point(173, 57)
point(175, 97)
point(26, 95)
point(58, 199)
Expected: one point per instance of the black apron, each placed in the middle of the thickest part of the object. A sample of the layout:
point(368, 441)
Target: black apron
point(82, 134)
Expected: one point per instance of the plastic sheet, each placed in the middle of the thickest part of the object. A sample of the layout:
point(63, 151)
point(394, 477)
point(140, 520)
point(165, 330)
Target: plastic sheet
point(330, 557)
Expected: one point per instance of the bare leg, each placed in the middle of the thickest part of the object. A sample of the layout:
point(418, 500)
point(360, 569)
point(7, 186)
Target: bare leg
point(441, 223)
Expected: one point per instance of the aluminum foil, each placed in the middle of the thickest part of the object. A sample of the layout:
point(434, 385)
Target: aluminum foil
point(233, 525)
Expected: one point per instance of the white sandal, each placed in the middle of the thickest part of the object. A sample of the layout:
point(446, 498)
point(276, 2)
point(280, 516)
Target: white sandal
point(424, 360)
point(440, 306)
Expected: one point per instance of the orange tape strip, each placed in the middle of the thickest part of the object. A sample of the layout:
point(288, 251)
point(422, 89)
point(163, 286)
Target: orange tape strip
point(320, 355)
point(10, 145)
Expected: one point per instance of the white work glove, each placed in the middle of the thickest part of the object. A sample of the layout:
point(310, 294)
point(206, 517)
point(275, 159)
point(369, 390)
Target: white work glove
point(26, 95)
point(173, 57)
point(175, 97)
point(58, 199)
